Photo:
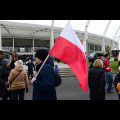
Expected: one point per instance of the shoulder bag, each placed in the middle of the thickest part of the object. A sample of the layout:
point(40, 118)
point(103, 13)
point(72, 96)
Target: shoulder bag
point(10, 83)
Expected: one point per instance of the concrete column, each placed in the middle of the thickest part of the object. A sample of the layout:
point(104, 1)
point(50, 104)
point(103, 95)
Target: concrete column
point(86, 41)
point(52, 36)
point(103, 45)
point(94, 47)
point(33, 46)
point(13, 45)
point(0, 38)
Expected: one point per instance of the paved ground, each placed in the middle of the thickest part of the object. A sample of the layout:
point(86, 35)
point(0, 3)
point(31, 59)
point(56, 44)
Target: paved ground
point(70, 90)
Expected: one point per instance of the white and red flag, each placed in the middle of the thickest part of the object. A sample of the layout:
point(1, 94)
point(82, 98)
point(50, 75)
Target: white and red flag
point(69, 49)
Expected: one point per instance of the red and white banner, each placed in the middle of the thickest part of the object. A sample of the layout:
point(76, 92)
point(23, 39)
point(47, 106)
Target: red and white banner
point(69, 49)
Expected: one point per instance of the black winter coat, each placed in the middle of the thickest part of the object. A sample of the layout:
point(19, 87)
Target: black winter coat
point(4, 73)
point(43, 86)
point(116, 80)
point(96, 82)
point(30, 66)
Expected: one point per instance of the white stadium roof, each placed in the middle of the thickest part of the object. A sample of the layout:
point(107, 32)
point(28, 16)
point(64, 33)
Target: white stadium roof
point(95, 26)
point(42, 28)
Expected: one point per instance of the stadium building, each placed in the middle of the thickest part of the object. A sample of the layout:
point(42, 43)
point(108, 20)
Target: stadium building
point(24, 38)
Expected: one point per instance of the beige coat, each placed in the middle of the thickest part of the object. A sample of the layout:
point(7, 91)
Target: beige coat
point(21, 81)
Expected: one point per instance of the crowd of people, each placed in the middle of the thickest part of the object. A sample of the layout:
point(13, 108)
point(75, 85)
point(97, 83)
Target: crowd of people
point(100, 76)
point(14, 80)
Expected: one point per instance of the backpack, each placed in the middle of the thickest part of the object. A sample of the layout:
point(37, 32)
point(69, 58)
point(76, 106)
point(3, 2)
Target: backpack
point(58, 79)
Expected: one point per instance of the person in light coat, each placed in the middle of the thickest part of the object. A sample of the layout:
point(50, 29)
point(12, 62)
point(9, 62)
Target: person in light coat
point(21, 83)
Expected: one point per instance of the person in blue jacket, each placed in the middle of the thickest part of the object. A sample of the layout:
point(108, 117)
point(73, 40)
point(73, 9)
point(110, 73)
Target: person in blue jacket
point(56, 69)
point(43, 85)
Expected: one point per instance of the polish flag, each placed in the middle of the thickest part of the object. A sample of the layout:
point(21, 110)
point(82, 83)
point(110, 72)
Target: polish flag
point(81, 42)
point(69, 49)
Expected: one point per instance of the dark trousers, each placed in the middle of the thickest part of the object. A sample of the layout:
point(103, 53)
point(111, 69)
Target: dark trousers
point(30, 73)
point(6, 95)
point(109, 87)
point(18, 94)
point(119, 96)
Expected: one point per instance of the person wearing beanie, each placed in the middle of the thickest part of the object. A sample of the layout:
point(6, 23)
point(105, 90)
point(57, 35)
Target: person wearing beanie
point(19, 63)
point(99, 56)
point(19, 83)
point(106, 55)
point(5, 62)
point(4, 73)
point(109, 79)
point(41, 54)
point(43, 85)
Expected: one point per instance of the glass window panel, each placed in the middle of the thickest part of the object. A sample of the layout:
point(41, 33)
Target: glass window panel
point(96, 48)
point(92, 48)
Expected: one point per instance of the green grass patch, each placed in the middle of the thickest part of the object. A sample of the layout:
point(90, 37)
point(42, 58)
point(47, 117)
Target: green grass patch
point(90, 63)
point(113, 65)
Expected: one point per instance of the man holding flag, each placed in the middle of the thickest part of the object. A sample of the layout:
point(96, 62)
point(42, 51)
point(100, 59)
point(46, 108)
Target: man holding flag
point(69, 49)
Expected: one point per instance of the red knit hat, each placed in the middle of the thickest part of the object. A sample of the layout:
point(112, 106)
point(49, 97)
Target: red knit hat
point(108, 69)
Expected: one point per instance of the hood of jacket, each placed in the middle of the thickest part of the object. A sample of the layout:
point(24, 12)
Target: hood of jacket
point(19, 68)
point(50, 61)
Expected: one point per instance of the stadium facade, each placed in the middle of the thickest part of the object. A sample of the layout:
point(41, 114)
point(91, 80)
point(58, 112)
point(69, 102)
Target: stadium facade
point(26, 38)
